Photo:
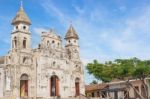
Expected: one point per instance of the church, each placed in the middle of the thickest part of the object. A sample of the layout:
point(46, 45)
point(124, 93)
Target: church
point(48, 71)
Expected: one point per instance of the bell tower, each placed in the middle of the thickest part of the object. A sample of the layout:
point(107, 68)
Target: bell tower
point(72, 46)
point(21, 36)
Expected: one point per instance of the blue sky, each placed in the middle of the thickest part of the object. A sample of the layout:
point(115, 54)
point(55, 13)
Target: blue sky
point(108, 29)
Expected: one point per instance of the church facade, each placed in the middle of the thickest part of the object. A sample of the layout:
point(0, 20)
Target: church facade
point(51, 70)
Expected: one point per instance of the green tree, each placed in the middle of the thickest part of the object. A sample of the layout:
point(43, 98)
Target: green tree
point(121, 69)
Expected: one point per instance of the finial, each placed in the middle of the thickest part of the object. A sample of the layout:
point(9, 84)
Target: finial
point(21, 4)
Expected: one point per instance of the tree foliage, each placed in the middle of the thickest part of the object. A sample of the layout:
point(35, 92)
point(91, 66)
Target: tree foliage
point(120, 69)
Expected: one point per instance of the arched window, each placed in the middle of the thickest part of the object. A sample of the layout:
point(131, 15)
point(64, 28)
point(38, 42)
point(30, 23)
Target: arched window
point(24, 59)
point(47, 43)
point(24, 27)
point(16, 27)
point(24, 42)
point(14, 45)
point(24, 85)
point(54, 86)
point(53, 44)
point(77, 86)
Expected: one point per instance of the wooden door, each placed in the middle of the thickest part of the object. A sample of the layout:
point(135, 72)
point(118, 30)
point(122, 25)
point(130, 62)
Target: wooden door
point(57, 87)
point(77, 87)
point(23, 88)
point(54, 86)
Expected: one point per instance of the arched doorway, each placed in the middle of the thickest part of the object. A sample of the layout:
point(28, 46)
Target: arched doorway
point(77, 86)
point(54, 86)
point(24, 85)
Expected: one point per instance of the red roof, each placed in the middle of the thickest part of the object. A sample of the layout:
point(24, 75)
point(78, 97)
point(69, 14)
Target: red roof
point(94, 87)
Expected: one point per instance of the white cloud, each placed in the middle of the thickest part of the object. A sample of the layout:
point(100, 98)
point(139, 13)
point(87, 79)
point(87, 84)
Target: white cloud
point(79, 10)
point(53, 10)
point(132, 39)
point(39, 30)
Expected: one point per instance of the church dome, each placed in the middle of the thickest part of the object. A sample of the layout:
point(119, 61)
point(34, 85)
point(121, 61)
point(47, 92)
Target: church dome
point(21, 17)
point(71, 33)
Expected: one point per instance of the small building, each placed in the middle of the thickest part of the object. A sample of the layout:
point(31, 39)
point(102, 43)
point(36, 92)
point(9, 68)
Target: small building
point(117, 90)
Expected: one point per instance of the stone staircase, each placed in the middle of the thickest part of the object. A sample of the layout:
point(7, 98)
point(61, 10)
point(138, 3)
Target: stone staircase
point(78, 97)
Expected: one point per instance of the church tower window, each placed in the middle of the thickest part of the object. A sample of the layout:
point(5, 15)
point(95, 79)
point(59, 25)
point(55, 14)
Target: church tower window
point(15, 42)
point(16, 27)
point(24, 27)
point(24, 42)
